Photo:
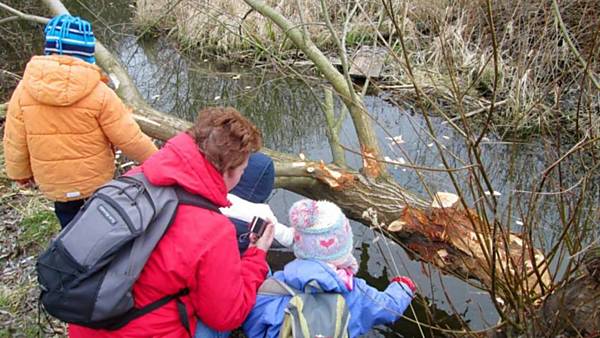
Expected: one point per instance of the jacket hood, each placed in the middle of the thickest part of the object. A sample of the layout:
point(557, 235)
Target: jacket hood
point(257, 181)
point(180, 162)
point(300, 272)
point(59, 80)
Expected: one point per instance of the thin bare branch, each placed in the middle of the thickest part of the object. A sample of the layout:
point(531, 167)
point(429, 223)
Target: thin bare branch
point(334, 126)
point(24, 16)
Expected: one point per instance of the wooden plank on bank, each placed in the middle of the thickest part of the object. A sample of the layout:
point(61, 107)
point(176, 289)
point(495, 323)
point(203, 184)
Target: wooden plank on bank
point(368, 62)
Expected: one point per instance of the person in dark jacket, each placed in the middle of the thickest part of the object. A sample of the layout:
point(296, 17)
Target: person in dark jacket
point(248, 199)
point(199, 251)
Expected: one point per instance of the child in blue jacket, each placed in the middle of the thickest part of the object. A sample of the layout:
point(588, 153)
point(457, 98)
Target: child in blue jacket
point(323, 247)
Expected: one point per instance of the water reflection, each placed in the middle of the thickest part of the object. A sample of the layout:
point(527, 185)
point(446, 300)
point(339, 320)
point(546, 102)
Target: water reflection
point(182, 87)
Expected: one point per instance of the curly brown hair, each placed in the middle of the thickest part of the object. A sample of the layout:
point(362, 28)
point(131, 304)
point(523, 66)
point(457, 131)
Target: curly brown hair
point(225, 137)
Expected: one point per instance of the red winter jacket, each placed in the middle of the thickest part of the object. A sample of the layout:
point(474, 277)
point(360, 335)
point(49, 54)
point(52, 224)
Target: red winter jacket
point(199, 251)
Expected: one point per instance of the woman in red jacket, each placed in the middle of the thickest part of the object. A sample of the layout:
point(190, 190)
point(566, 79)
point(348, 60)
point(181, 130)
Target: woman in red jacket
point(199, 251)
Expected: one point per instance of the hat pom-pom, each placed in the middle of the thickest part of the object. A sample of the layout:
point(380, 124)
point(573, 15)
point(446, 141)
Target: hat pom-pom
point(302, 213)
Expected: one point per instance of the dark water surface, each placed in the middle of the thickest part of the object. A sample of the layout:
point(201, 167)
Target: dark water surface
point(291, 120)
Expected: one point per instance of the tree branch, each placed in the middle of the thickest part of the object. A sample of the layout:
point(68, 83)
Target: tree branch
point(362, 123)
point(341, 45)
point(24, 16)
point(9, 19)
point(334, 126)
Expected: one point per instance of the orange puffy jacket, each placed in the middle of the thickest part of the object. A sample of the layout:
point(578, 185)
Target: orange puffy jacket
point(61, 125)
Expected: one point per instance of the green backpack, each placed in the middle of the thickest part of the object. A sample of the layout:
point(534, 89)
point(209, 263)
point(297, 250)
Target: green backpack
point(311, 313)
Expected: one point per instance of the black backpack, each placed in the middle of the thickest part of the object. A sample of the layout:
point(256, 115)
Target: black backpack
point(87, 273)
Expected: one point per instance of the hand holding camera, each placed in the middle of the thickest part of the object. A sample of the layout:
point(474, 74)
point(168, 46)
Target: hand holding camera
point(257, 226)
point(261, 233)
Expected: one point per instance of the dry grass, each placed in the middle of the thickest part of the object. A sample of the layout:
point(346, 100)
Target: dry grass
point(218, 24)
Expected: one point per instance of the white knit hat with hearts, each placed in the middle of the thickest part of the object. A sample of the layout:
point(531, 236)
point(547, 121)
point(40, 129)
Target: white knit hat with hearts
point(322, 232)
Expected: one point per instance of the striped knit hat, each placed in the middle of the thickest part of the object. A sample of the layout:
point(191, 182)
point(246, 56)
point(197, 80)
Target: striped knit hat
point(322, 232)
point(76, 39)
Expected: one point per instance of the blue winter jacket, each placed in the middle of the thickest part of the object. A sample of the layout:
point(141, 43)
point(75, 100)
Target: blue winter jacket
point(368, 306)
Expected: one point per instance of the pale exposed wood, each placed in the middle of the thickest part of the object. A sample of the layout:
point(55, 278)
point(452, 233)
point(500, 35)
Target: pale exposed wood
point(444, 200)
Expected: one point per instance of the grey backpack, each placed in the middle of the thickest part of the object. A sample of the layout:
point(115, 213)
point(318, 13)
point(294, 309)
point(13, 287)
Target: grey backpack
point(310, 313)
point(87, 273)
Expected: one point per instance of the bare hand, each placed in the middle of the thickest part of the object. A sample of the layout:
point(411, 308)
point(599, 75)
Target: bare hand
point(264, 242)
point(26, 182)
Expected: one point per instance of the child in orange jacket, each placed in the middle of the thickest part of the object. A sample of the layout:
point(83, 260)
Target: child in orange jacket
point(63, 121)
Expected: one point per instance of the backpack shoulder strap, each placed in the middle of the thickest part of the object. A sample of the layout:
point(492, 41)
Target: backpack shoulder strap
point(274, 287)
point(138, 312)
point(188, 198)
point(183, 196)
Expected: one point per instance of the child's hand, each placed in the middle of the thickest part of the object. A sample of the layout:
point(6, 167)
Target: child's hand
point(26, 182)
point(264, 242)
point(406, 281)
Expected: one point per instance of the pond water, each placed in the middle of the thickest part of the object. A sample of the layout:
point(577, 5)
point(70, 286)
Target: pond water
point(287, 112)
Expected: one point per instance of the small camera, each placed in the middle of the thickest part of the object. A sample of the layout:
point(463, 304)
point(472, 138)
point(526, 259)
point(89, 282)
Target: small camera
point(258, 226)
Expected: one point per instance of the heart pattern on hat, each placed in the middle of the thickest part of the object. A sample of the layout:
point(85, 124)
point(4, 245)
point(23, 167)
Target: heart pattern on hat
point(322, 231)
point(327, 243)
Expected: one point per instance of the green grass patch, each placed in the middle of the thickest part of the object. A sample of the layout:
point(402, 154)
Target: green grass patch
point(38, 228)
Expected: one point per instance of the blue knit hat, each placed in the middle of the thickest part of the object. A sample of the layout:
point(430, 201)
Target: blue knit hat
point(76, 39)
point(256, 184)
